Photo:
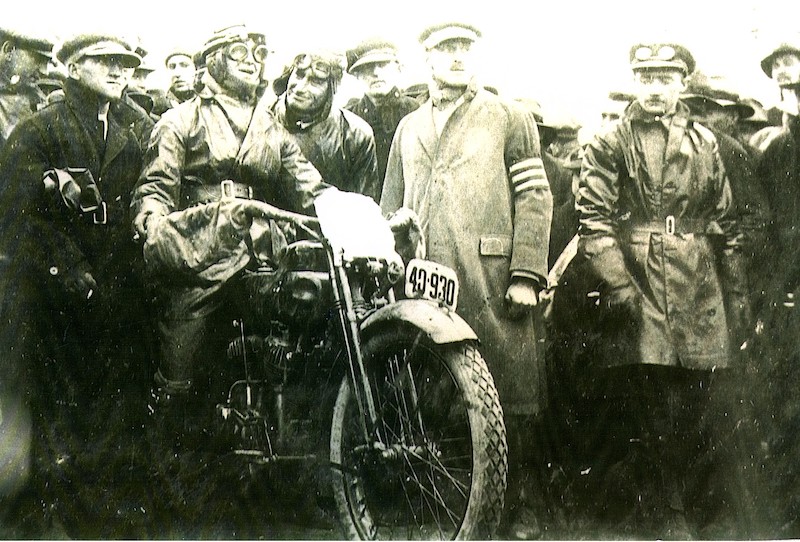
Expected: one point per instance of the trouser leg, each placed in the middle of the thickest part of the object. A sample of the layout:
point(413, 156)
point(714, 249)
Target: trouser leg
point(173, 397)
point(720, 477)
point(524, 495)
point(181, 342)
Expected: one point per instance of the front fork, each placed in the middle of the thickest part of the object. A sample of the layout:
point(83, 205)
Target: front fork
point(359, 378)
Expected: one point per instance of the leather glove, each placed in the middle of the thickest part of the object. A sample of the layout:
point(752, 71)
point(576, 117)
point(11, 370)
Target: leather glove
point(79, 284)
point(521, 297)
point(402, 219)
point(606, 259)
point(204, 241)
point(624, 297)
point(408, 240)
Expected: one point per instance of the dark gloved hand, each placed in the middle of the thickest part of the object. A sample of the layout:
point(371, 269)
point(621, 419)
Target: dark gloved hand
point(606, 259)
point(79, 284)
point(625, 298)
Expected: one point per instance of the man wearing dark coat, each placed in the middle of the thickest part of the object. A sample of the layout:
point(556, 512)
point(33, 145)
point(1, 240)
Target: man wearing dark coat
point(778, 324)
point(209, 161)
point(375, 63)
point(23, 59)
point(339, 143)
point(73, 320)
point(468, 163)
point(181, 69)
point(716, 109)
point(657, 228)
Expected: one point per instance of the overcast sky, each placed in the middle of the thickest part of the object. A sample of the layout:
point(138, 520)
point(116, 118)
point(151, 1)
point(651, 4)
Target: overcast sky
point(567, 54)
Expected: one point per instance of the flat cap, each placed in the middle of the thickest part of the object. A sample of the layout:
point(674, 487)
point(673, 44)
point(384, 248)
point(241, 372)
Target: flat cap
point(145, 67)
point(178, 51)
point(441, 32)
point(645, 56)
point(711, 89)
point(225, 36)
point(37, 44)
point(781, 48)
point(93, 45)
point(49, 84)
point(371, 52)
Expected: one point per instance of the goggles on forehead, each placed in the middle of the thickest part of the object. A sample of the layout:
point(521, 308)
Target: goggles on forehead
point(239, 51)
point(664, 52)
point(317, 68)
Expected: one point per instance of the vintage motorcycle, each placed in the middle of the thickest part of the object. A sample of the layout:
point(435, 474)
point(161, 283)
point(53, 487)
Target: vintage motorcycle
point(416, 443)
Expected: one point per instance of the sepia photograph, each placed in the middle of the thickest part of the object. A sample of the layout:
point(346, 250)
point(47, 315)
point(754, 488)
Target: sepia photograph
point(413, 271)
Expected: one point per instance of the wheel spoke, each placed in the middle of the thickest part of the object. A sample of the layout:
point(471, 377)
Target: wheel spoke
point(433, 493)
point(400, 382)
point(418, 481)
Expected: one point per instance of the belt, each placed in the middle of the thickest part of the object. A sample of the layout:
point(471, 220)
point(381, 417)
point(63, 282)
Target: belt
point(205, 193)
point(672, 225)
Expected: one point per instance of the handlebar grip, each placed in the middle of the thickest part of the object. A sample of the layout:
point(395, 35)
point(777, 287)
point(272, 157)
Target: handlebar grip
point(260, 209)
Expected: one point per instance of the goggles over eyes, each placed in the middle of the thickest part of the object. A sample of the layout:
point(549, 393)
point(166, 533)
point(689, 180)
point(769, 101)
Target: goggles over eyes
point(239, 52)
point(664, 52)
point(316, 68)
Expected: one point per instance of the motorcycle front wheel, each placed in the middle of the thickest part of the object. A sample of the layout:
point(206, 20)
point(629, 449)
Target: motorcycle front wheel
point(438, 470)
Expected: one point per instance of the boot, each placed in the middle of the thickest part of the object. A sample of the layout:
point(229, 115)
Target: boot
point(169, 409)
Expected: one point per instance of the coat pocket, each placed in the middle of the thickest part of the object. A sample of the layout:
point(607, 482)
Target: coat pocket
point(495, 245)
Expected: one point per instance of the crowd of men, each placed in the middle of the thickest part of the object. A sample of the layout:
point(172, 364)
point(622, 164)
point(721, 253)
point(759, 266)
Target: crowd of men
point(634, 297)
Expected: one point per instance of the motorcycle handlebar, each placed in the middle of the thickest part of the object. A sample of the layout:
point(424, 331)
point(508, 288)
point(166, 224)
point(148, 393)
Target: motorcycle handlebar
point(260, 209)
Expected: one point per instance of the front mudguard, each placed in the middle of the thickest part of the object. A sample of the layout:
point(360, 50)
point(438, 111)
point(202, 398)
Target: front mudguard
point(441, 326)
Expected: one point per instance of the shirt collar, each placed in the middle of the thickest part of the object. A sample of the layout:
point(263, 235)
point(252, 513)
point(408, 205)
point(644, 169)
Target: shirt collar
point(377, 102)
point(443, 97)
point(637, 113)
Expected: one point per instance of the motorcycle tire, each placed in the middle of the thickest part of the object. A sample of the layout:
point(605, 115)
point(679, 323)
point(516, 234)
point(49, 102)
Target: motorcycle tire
point(440, 472)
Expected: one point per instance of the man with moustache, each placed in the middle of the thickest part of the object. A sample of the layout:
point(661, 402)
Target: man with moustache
point(339, 143)
point(657, 228)
point(73, 312)
point(375, 64)
point(469, 165)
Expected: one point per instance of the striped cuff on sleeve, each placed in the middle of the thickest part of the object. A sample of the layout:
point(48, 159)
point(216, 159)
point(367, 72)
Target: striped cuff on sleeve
point(527, 175)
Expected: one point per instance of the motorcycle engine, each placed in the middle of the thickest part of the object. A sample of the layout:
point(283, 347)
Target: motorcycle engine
point(271, 354)
point(304, 298)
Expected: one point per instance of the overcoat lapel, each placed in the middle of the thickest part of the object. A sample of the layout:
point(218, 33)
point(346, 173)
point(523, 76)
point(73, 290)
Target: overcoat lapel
point(88, 140)
point(426, 135)
point(115, 142)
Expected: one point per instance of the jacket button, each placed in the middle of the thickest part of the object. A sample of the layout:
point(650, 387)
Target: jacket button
point(54, 270)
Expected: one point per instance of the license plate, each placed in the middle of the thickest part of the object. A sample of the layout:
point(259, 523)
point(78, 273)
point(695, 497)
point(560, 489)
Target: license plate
point(433, 281)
